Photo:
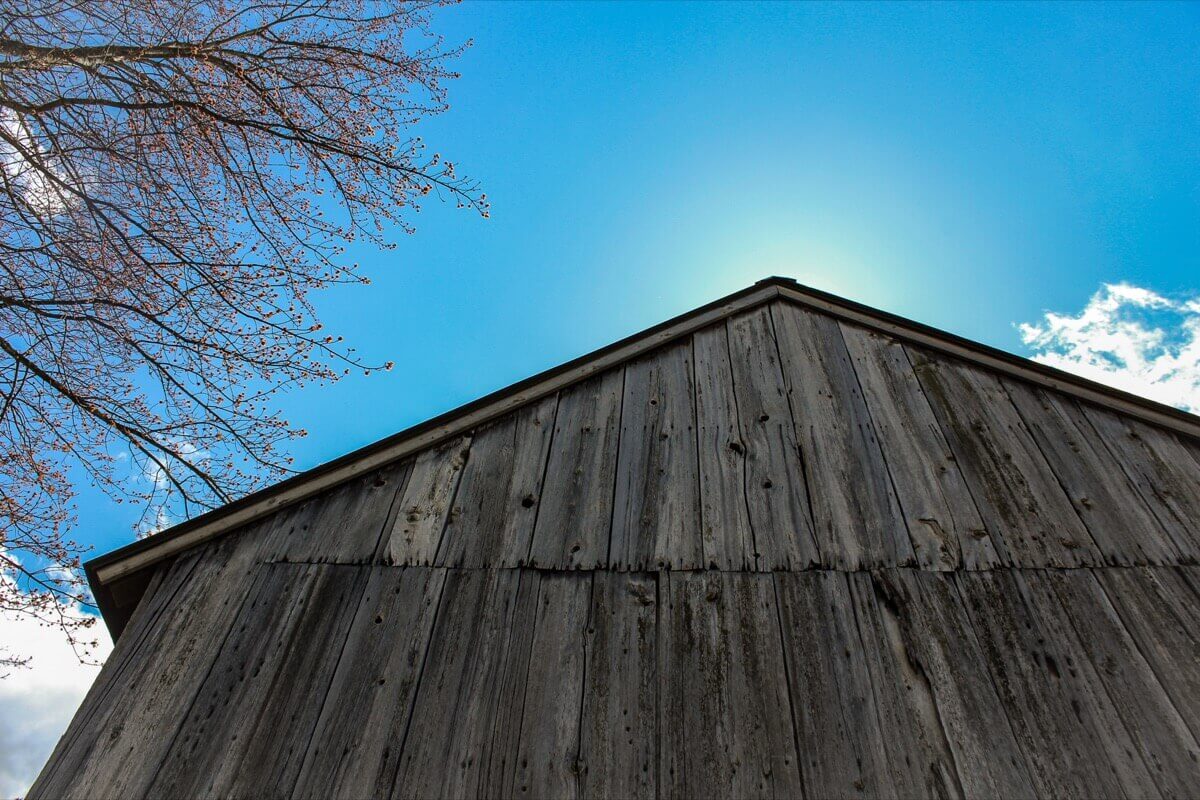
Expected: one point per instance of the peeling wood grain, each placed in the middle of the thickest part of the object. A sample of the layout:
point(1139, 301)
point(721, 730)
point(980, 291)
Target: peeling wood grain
point(775, 486)
point(656, 513)
point(459, 699)
point(574, 518)
point(723, 686)
point(342, 526)
point(143, 636)
point(254, 714)
point(1163, 471)
point(136, 735)
point(943, 520)
point(1030, 519)
point(1121, 523)
point(833, 705)
point(1155, 725)
point(919, 756)
point(424, 505)
point(1162, 615)
point(727, 537)
point(1073, 749)
point(936, 640)
point(620, 697)
point(548, 762)
point(491, 522)
point(857, 517)
point(356, 744)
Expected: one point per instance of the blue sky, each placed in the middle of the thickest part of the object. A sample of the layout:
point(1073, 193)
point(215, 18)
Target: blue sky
point(971, 167)
point(966, 166)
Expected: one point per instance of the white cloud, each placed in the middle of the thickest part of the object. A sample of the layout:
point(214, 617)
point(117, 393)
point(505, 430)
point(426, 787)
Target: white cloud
point(37, 701)
point(1127, 337)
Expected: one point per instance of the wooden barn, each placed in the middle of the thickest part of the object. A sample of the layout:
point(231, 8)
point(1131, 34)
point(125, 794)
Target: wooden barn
point(781, 546)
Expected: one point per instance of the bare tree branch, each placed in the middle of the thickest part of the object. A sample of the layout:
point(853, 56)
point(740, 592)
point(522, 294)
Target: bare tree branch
point(176, 178)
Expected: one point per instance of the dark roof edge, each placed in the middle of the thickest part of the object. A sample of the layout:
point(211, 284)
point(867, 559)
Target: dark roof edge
point(103, 571)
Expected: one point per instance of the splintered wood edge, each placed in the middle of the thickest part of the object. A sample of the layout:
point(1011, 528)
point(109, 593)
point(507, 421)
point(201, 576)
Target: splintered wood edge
point(116, 565)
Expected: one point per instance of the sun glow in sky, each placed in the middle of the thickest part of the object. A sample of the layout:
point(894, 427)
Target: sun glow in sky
point(968, 166)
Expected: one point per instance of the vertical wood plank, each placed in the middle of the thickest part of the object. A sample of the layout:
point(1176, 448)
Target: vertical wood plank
point(424, 505)
point(935, 638)
point(1167, 744)
point(857, 517)
point(491, 524)
point(341, 526)
point(722, 681)
point(837, 728)
point(366, 712)
point(727, 538)
point(548, 763)
point(656, 513)
point(776, 490)
point(619, 732)
point(575, 511)
point(1073, 748)
point(133, 740)
point(1162, 470)
point(1122, 525)
point(141, 638)
point(919, 756)
point(943, 521)
point(1028, 515)
point(463, 719)
point(1162, 615)
point(253, 716)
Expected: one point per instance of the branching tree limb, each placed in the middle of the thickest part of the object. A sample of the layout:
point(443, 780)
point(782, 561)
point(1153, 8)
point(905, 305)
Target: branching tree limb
point(166, 168)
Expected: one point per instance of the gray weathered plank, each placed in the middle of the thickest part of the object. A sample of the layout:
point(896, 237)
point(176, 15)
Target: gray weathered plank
point(723, 687)
point(857, 517)
point(727, 537)
point(1163, 471)
point(575, 510)
point(776, 492)
point(276, 745)
point(133, 740)
point(919, 756)
point(1123, 526)
point(491, 523)
point(656, 509)
point(356, 744)
point(837, 728)
point(456, 739)
point(620, 697)
point(500, 757)
point(548, 763)
point(936, 639)
point(1030, 519)
point(424, 505)
point(1073, 748)
point(1161, 614)
point(341, 526)
point(253, 717)
point(943, 521)
point(142, 637)
point(1167, 744)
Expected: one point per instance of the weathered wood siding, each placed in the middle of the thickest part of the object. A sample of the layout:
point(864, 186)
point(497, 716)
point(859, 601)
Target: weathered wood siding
point(782, 557)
